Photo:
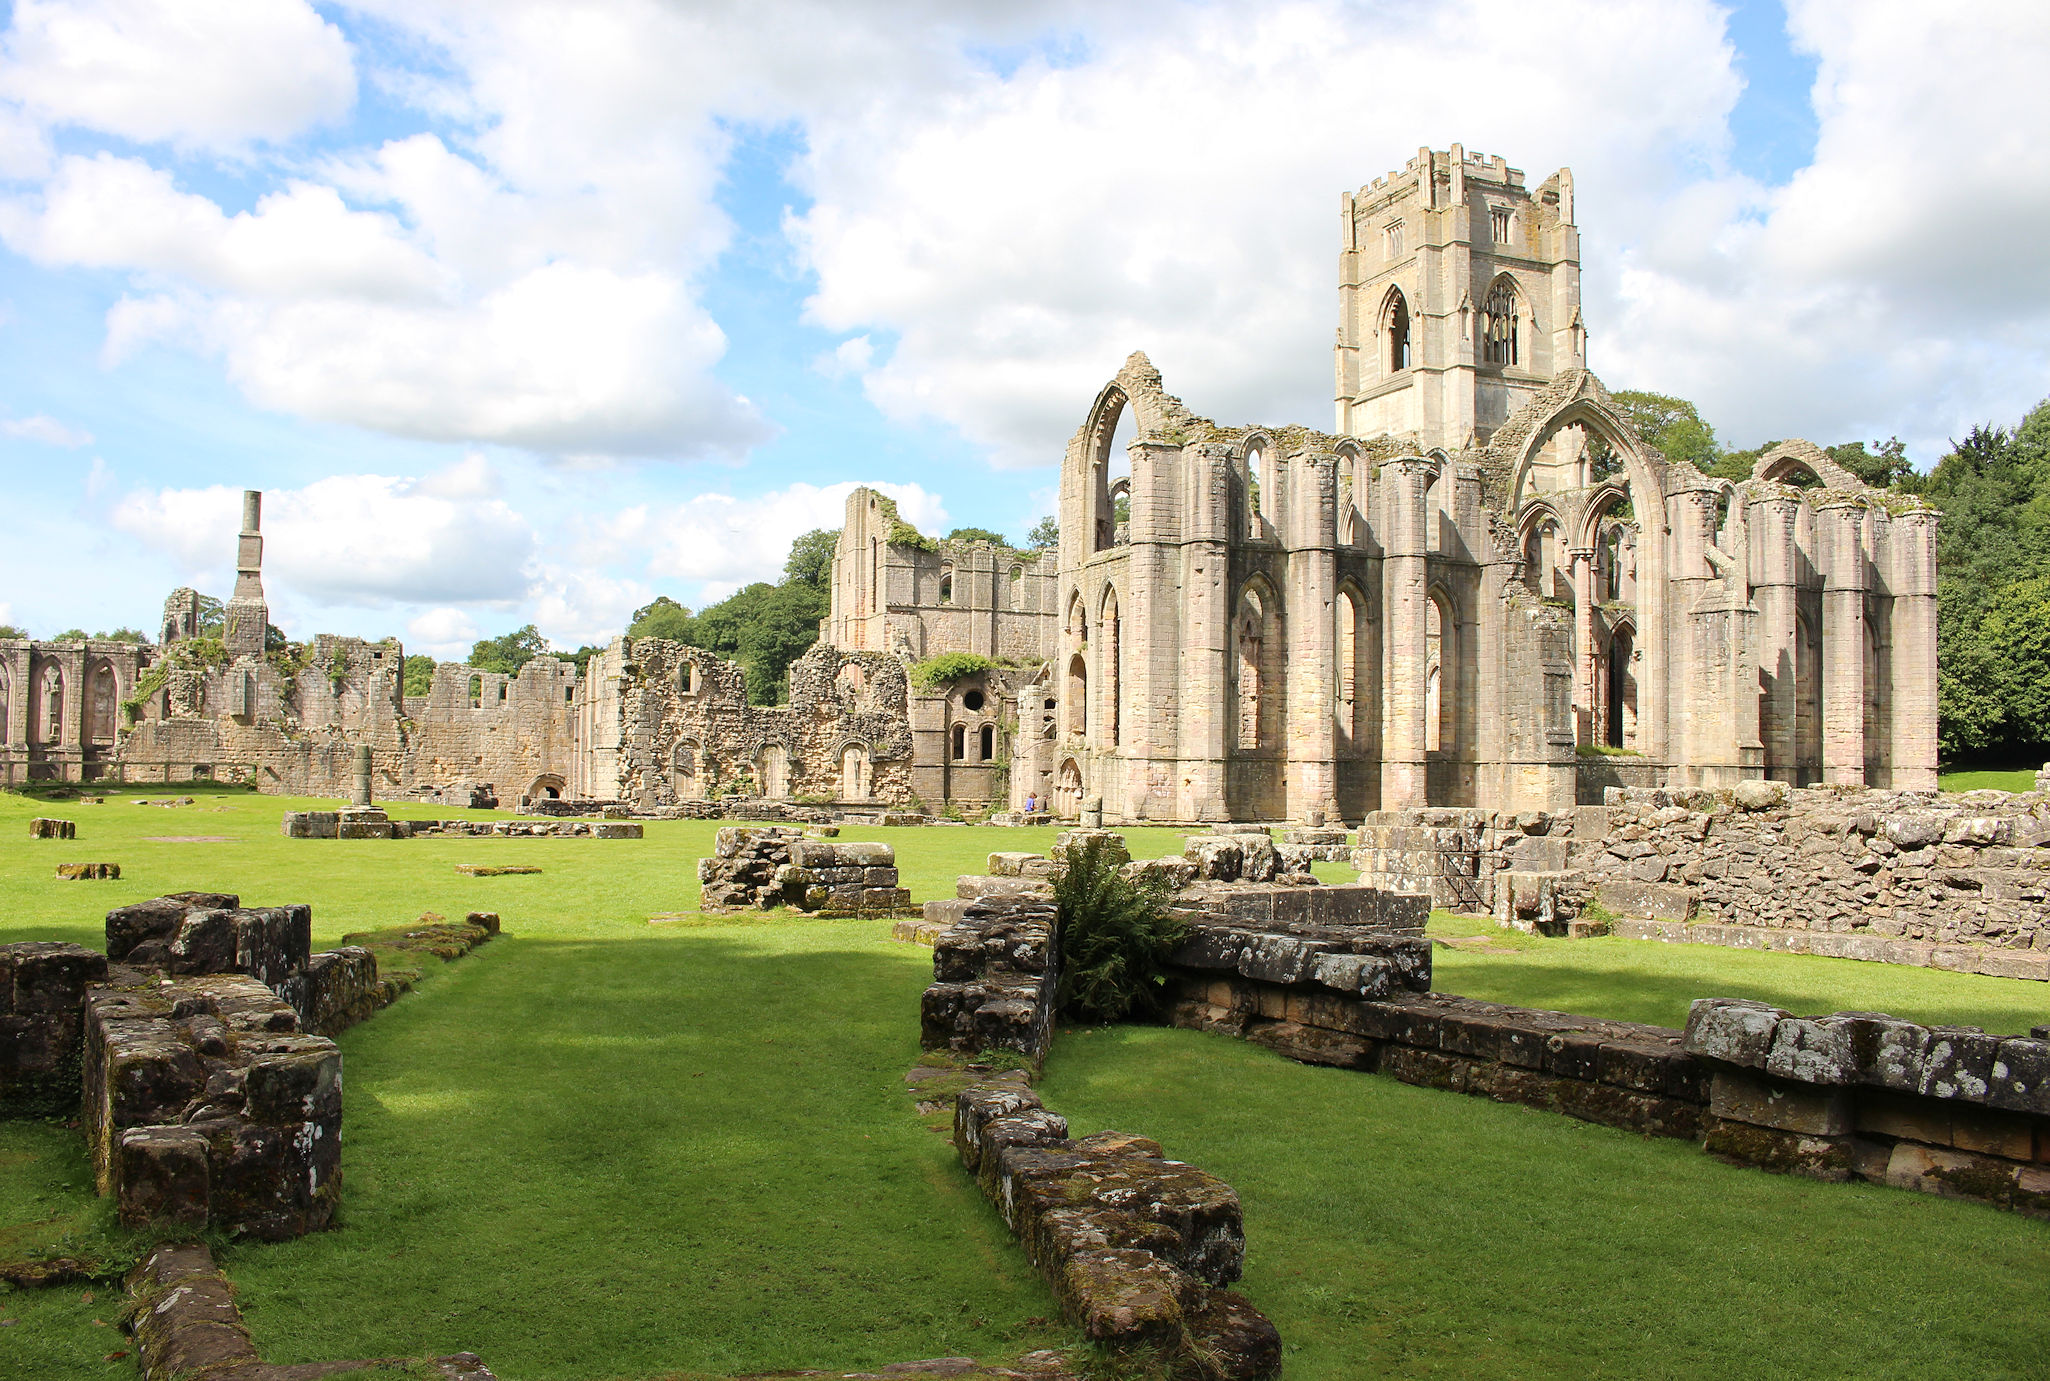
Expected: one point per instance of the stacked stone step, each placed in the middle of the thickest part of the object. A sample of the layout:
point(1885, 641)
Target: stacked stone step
point(1950, 1110)
point(206, 1106)
point(1247, 853)
point(1138, 1248)
point(1323, 843)
point(996, 966)
point(842, 878)
point(741, 874)
point(42, 1025)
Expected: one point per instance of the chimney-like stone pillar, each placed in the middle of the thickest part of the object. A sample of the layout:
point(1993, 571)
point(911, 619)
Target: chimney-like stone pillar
point(1913, 688)
point(1403, 593)
point(1840, 530)
point(248, 616)
point(1775, 590)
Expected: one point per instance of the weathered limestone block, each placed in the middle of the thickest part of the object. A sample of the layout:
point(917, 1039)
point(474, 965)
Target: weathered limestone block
point(211, 1072)
point(995, 971)
point(1652, 900)
point(185, 1321)
point(42, 1025)
point(618, 829)
point(88, 872)
point(44, 828)
point(1113, 843)
point(1781, 1104)
point(342, 988)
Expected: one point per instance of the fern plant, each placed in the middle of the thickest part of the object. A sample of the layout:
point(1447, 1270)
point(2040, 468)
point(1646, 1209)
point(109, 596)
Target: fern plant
point(1116, 934)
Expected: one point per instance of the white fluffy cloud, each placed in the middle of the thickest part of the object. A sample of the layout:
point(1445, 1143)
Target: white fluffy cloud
point(1894, 284)
point(374, 540)
point(45, 429)
point(725, 542)
point(208, 73)
point(1176, 192)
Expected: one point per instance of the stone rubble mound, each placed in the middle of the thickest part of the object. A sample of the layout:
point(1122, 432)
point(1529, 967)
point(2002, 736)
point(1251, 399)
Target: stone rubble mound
point(756, 867)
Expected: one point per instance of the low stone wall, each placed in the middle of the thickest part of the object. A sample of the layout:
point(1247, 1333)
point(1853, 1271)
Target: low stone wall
point(342, 988)
point(212, 932)
point(1619, 1073)
point(375, 824)
point(1968, 870)
point(1855, 944)
point(205, 1105)
point(42, 1025)
point(756, 867)
point(1946, 1110)
point(996, 966)
point(1138, 1248)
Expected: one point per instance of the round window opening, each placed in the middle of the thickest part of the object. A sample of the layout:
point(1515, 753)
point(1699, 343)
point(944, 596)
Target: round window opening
point(973, 700)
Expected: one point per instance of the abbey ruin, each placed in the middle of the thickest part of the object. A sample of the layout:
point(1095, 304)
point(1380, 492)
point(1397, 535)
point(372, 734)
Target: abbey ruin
point(1479, 579)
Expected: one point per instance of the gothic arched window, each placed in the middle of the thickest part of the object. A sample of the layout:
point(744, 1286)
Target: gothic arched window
point(1499, 324)
point(1398, 333)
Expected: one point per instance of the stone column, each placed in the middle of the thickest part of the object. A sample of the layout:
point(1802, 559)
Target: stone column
point(1583, 644)
point(1775, 590)
point(1404, 648)
point(248, 616)
point(1840, 531)
point(359, 792)
point(1914, 650)
point(1205, 631)
point(1310, 536)
point(1690, 673)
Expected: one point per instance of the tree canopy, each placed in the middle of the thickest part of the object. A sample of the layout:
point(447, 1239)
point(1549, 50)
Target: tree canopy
point(764, 627)
point(1045, 533)
point(508, 652)
point(978, 534)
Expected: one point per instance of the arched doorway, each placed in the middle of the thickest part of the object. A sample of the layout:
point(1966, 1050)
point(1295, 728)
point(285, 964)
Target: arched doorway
point(1067, 799)
point(1620, 731)
point(546, 787)
point(102, 693)
point(854, 772)
point(47, 709)
point(686, 781)
point(1076, 702)
point(1107, 655)
point(773, 771)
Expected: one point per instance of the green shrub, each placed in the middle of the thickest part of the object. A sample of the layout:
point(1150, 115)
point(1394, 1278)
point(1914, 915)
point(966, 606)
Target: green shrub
point(1116, 935)
point(948, 666)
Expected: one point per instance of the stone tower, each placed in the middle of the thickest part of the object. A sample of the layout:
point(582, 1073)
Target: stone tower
point(1459, 298)
point(248, 616)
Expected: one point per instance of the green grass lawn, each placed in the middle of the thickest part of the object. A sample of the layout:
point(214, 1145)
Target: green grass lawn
point(2018, 779)
point(1396, 1231)
point(600, 1147)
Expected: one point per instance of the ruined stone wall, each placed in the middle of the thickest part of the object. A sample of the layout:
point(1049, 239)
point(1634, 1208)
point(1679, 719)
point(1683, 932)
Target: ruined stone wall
point(1969, 871)
point(516, 734)
point(684, 730)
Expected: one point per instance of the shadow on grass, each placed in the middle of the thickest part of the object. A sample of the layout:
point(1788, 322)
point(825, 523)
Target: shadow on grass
point(684, 1151)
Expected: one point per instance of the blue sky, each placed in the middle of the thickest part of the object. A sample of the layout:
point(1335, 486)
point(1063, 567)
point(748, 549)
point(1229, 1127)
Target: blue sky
point(528, 312)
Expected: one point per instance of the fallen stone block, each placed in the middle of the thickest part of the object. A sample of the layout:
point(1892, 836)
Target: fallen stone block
point(44, 828)
point(493, 870)
point(88, 872)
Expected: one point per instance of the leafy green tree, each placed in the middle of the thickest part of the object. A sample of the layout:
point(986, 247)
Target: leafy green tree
point(811, 558)
point(71, 635)
point(978, 534)
point(1673, 425)
point(1045, 533)
point(1993, 600)
point(1883, 467)
point(213, 617)
point(508, 652)
point(664, 618)
point(124, 635)
point(8, 630)
point(417, 677)
point(765, 628)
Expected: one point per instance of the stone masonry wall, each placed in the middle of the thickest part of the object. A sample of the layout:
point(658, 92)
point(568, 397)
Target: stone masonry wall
point(206, 1106)
point(42, 1025)
point(996, 965)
